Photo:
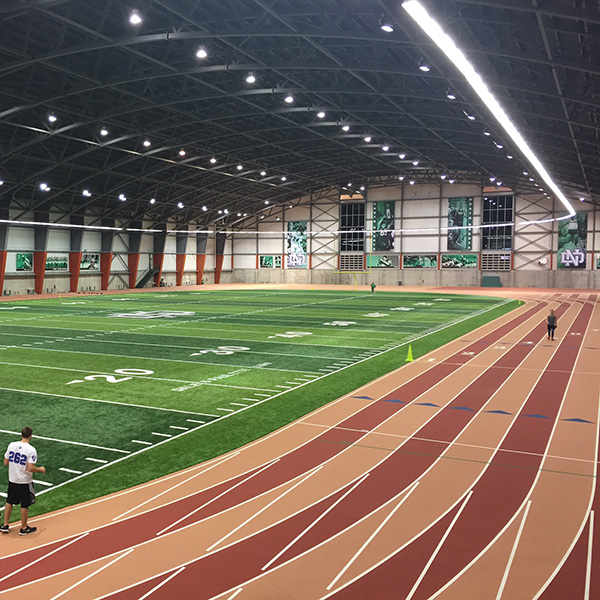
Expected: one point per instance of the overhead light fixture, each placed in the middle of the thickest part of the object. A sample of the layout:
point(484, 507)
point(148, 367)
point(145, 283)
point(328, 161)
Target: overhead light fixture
point(362, 188)
point(525, 172)
point(182, 152)
point(135, 18)
point(284, 178)
point(486, 133)
point(416, 163)
point(386, 25)
point(250, 78)
point(43, 186)
point(450, 96)
point(492, 179)
point(122, 197)
point(263, 173)
point(346, 128)
point(321, 115)
point(239, 167)
point(367, 139)
point(152, 200)
point(447, 45)
point(581, 199)
point(498, 183)
point(202, 53)
point(147, 143)
point(86, 193)
point(443, 176)
point(1, 182)
point(509, 156)
point(220, 212)
point(204, 208)
point(239, 214)
point(411, 182)
point(266, 202)
point(452, 181)
point(425, 68)
point(213, 160)
point(289, 99)
point(180, 205)
point(104, 132)
point(262, 216)
point(52, 118)
point(226, 211)
point(401, 177)
point(385, 148)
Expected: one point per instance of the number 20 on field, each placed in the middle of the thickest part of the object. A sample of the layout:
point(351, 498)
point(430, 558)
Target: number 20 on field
point(112, 378)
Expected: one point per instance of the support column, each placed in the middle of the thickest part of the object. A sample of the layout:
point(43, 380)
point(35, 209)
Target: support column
point(40, 249)
point(133, 252)
point(220, 252)
point(181, 238)
point(3, 246)
point(76, 236)
point(201, 241)
point(158, 257)
point(106, 254)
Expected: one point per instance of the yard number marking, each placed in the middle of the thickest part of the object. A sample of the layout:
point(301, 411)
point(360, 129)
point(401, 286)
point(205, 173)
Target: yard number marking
point(341, 323)
point(154, 314)
point(290, 334)
point(402, 308)
point(222, 350)
point(112, 378)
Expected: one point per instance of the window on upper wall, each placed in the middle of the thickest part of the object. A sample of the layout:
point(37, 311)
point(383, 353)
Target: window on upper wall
point(497, 209)
point(352, 227)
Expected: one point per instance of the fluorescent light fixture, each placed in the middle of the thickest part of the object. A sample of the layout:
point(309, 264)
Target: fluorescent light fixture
point(450, 96)
point(367, 139)
point(202, 53)
point(52, 118)
point(486, 133)
point(509, 156)
point(416, 10)
point(425, 68)
point(401, 156)
point(385, 148)
point(321, 115)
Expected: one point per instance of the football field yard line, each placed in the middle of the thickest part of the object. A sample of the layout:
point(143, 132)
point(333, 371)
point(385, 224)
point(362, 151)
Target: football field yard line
point(49, 439)
point(176, 360)
point(185, 412)
point(149, 377)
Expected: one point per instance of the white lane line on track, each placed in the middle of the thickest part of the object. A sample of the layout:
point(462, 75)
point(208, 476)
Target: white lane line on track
point(157, 587)
point(356, 483)
point(235, 594)
point(40, 437)
point(372, 536)
point(260, 511)
point(37, 560)
point(438, 547)
point(138, 506)
point(512, 552)
point(588, 566)
point(217, 497)
point(78, 583)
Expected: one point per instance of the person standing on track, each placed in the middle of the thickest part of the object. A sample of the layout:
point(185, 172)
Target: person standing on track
point(20, 458)
point(373, 286)
point(551, 320)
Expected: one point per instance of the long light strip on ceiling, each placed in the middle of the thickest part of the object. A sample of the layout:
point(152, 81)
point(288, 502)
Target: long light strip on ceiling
point(430, 26)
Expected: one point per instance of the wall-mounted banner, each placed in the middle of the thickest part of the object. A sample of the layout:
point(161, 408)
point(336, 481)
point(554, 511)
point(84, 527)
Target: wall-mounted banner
point(383, 261)
point(597, 262)
point(460, 261)
point(90, 262)
point(57, 262)
point(572, 242)
point(269, 261)
point(460, 214)
point(24, 261)
point(419, 261)
point(383, 225)
point(297, 256)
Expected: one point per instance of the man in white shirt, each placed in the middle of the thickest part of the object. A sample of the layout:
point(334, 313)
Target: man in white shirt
point(20, 458)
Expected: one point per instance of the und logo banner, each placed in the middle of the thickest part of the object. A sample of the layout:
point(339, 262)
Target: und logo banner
point(572, 242)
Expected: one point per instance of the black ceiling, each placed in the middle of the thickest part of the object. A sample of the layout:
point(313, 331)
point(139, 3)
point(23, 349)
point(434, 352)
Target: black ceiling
point(82, 61)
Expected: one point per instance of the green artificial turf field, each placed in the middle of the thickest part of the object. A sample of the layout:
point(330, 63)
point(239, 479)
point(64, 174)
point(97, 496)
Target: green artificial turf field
point(149, 383)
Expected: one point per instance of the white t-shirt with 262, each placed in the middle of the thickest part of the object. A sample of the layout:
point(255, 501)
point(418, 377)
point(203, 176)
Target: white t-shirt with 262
point(18, 455)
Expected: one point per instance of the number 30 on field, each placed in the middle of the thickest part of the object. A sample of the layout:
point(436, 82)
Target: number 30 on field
point(112, 378)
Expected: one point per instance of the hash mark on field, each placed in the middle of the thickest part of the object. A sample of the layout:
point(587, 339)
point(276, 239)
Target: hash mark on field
point(226, 409)
point(98, 460)
point(140, 442)
point(181, 428)
point(285, 387)
point(201, 422)
point(69, 470)
point(237, 404)
point(162, 434)
point(264, 395)
point(251, 399)
point(46, 483)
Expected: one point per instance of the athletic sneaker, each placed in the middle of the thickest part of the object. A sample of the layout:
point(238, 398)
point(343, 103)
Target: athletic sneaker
point(27, 530)
point(4, 528)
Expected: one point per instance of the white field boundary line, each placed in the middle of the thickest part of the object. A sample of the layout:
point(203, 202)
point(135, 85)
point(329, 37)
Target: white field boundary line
point(174, 360)
point(174, 410)
point(588, 566)
point(539, 472)
point(41, 437)
point(197, 466)
point(194, 429)
point(157, 587)
point(149, 377)
point(500, 442)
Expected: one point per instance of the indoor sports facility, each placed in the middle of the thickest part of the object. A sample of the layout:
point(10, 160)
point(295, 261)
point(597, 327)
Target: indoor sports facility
point(300, 299)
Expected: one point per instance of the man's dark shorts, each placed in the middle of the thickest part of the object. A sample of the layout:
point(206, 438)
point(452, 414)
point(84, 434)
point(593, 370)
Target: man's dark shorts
point(21, 493)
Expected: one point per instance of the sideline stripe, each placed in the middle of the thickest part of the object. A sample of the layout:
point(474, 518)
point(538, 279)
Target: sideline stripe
point(40, 437)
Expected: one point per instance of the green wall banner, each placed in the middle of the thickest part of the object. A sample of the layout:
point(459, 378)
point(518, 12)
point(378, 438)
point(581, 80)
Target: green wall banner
point(90, 262)
point(460, 261)
point(572, 242)
point(270, 261)
point(24, 261)
point(383, 225)
point(419, 261)
point(460, 214)
point(57, 262)
point(297, 255)
point(383, 261)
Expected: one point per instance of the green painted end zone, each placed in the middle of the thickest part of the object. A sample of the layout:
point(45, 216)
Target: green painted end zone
point(122, 389)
